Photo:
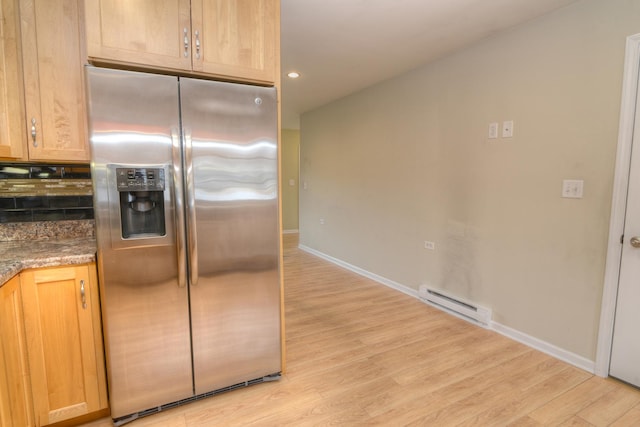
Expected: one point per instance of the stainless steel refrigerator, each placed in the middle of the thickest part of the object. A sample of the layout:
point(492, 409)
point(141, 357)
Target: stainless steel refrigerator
point(185, 175)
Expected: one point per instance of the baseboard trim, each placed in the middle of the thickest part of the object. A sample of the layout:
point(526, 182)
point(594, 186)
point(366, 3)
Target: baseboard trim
point(545, 347)
point(383, 280)
point(296, 231)
point(528, 340)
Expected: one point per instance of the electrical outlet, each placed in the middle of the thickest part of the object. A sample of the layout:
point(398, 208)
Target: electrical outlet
point(507, 129)
point(573, 188)
point(321, 221)
point(429, 245)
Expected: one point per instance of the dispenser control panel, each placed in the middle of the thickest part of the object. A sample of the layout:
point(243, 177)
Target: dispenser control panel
point(140, 179)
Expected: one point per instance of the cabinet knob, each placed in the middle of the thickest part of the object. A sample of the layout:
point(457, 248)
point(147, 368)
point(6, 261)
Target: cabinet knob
point(83, 295)
point(186, 43)
point(33, 132)
point(197, 44)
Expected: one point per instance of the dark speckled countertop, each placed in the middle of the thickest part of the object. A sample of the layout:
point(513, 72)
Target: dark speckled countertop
point(78, 247)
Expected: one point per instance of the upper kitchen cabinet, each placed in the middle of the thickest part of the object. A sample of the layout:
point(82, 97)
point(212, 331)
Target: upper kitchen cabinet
point(52, 55)
point(229, 39)
point(145, 32)
point(12, 137)
point(237, 38)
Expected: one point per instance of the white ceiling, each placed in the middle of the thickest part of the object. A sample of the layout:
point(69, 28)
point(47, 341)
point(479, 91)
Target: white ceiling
point(342, 46)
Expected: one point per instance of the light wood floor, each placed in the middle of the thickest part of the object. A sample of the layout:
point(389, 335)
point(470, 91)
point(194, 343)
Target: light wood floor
point(359, 353)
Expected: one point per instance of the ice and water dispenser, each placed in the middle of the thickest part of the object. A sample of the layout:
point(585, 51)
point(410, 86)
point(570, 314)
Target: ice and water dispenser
point(141, 192)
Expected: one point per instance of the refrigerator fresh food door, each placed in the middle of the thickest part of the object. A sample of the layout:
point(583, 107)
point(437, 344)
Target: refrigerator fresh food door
point(134, 125)
point(231, 151)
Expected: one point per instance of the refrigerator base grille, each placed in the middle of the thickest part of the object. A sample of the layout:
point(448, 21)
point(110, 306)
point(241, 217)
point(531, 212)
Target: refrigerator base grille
point(132, 417)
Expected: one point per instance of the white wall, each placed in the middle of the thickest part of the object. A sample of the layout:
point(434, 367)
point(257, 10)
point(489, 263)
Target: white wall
point(409, 160)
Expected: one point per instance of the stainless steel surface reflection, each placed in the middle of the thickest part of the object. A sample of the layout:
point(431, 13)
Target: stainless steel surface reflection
point(235, 184)
point(197, 307)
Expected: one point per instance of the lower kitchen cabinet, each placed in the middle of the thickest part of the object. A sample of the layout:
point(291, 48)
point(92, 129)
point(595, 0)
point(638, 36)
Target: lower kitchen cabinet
point(15, 385)
point(65, 372)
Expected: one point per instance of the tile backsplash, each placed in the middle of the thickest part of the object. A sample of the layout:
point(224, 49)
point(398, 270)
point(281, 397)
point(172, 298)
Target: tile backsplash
point(34, 193)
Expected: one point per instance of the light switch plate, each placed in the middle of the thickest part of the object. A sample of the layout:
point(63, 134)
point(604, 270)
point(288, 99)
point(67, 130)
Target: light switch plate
point(493, 130)
point(572, 188)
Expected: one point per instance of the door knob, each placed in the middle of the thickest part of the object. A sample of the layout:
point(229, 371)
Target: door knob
point(635, 242)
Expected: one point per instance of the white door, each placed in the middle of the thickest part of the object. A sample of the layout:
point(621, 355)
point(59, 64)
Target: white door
point(625, 350)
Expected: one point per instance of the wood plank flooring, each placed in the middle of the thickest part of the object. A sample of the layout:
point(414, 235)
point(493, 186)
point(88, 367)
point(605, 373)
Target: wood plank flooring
point(359, 353)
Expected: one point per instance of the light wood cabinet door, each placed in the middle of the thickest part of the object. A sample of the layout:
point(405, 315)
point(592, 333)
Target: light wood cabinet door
point(62, 324)
point(53, 60)
point(236, 38)
point(15, 390)
point(147, 32)
point(12, 136)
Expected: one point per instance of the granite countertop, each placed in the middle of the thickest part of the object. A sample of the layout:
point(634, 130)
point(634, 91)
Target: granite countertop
point(16, 256)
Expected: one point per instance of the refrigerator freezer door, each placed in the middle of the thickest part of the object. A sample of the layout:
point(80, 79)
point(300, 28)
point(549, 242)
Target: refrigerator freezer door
point(145, 311)
point(231, 131)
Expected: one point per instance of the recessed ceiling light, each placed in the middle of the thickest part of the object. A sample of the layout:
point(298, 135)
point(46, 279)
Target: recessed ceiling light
point(293, 75)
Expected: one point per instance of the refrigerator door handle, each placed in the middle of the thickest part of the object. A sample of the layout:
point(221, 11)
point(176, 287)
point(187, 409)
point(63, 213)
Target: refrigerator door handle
point(179, 208)
point(191, 209)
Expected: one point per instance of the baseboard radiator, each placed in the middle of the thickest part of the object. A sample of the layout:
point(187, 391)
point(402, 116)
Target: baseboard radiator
point(455, 306)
